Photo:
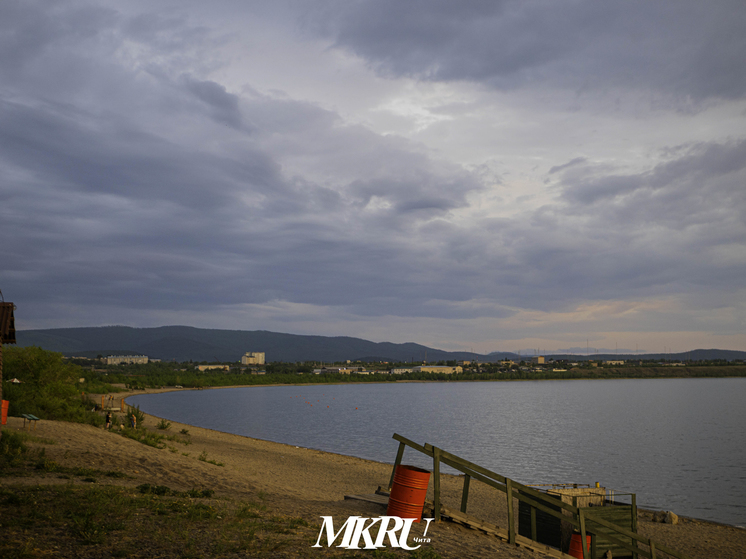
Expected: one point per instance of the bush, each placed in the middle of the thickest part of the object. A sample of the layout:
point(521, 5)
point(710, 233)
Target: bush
point(12, 449)
point(48, 386)
point(139, 416)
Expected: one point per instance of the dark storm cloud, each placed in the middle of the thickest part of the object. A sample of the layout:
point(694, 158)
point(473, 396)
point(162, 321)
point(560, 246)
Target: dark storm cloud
point(28, 29)
point(684, 49)
point(676, 225)
point(222, 105)
point(73, 150)
point(711, 173)
point(110, 206)
point(140, 172)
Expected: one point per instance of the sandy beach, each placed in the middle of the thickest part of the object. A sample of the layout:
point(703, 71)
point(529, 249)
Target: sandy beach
point(310, 484)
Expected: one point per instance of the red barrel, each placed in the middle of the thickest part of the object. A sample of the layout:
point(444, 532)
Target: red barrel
point(408, 492)
point(4, 416)
point(576, 548)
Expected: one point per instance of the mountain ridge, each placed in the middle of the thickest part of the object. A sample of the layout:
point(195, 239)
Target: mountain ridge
point(187, 343)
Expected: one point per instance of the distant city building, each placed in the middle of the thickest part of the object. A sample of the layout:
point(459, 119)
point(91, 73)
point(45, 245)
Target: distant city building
point(400, 371)
point(211, 367)
point(613, 362)
point(126, 359)
point(252, 358)
point(538, 360)
point(338, 370)
point(437, 369)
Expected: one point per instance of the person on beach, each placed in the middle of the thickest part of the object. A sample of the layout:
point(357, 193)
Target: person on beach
point(133, 421)
point(108, 420)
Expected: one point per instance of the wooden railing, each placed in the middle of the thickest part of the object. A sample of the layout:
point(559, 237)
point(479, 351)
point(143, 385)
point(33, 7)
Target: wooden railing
point(578, 517)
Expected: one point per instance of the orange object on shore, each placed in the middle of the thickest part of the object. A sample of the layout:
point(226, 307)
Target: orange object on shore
point(576, 548)
point(408, 492)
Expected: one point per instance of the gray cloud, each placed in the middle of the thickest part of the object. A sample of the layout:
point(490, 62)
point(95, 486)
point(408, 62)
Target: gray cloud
point(142, 175)
point(222, 105)
point(682, 49)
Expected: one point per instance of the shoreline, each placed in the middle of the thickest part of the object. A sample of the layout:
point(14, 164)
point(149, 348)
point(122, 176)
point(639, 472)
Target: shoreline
point(389, 464)
point(306, 483)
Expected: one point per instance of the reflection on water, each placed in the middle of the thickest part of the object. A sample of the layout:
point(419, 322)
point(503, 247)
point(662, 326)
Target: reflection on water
point(677, 443)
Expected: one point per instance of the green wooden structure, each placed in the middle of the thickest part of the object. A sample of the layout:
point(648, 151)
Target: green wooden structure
point(551, 530)
point(601, 526)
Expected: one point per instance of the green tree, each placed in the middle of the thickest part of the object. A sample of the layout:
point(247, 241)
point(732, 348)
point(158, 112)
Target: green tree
point(48, 387)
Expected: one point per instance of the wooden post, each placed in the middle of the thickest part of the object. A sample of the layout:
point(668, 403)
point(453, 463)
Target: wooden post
point(634, 521)
point(511, 523)
point(581, 518)
point(399, 454)
point(575, 516)
point(436, 483)
point(465, 494)
point(651, 543)
point(533, 523)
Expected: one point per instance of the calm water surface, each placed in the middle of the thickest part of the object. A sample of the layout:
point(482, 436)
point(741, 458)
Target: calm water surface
point(677, 443)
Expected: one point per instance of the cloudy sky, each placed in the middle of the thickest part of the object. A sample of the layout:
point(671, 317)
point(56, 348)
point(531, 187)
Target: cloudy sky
point(487, 175)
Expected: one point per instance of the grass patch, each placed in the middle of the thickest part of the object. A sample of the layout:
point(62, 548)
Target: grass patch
point(203, 458)
point(101, 521)
point(13, 449)
point(174, 438)
point(143, 436)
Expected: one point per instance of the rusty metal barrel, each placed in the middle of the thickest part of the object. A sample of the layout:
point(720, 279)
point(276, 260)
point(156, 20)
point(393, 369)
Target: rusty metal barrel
point(408, 492)
point(576, 546)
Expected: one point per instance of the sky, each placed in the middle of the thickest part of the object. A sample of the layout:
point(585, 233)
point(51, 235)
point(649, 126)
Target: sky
point(474, 175)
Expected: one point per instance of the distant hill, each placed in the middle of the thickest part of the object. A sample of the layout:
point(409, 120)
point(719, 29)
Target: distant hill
point(694, 355)
point(184, 343)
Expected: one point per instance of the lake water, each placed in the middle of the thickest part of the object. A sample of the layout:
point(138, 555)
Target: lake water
point(677, 443)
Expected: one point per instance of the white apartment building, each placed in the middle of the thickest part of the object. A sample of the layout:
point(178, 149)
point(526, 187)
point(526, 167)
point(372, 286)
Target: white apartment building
point(253, 358)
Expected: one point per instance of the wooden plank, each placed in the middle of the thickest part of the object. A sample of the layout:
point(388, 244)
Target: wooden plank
point(458, 461)
point(473, 474)
point(465, 492)
point(373, 498)
point(583, 540)
point(511, 517)
point(521, 541)
point(634, 520)
point(399, 454)
point(412, 444)
point(548, 509)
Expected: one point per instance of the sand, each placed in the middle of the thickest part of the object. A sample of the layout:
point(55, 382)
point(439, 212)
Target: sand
point(310, 484)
